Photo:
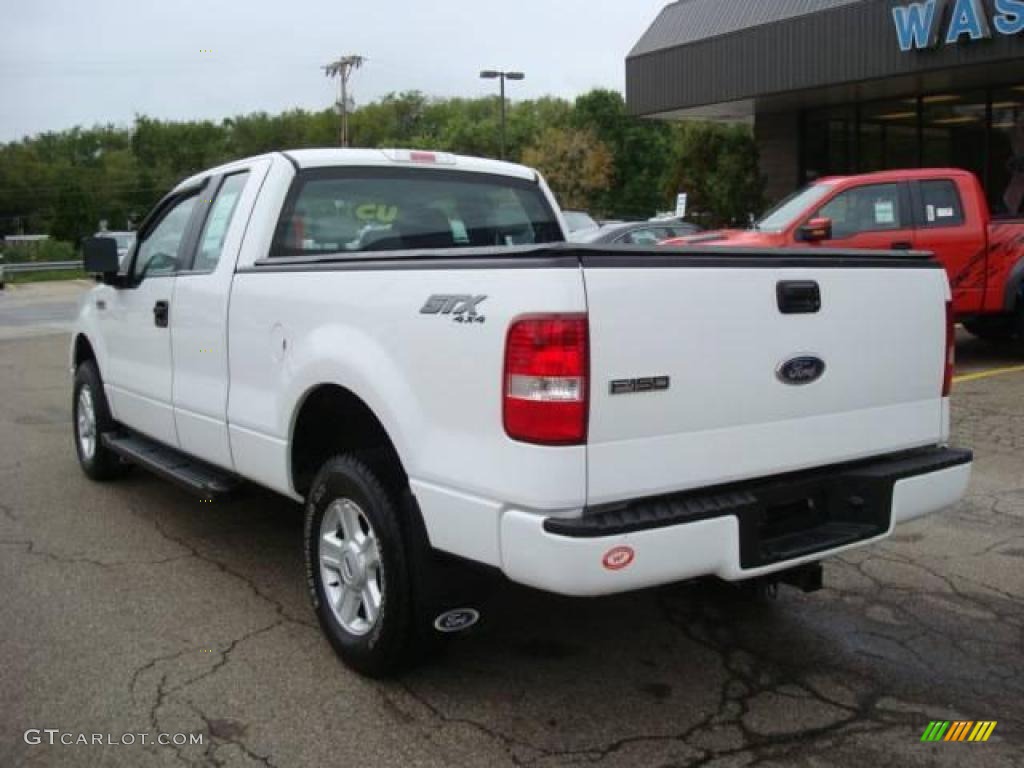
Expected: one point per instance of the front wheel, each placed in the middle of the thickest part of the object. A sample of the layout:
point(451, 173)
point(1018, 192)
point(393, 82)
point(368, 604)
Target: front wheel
point(91, 418)
point(357, 569)
point(994, 328)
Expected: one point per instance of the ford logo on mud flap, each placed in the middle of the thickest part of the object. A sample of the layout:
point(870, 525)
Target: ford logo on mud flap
point(457, 620)
point(801, 370)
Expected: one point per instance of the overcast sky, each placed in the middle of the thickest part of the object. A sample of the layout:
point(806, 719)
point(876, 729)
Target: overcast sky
point(76, 62)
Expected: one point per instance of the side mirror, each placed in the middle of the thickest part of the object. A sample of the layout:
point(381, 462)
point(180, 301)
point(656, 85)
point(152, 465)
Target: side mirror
point(816, 230)
point(99, 256)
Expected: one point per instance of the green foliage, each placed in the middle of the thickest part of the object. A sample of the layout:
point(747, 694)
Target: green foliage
point(717, 166)
point(576, 164)
point(64, 183)
point(45, 277)
point(42, 250)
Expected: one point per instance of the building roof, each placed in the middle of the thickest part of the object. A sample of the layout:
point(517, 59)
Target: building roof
point(687, 21)
point(731, 59)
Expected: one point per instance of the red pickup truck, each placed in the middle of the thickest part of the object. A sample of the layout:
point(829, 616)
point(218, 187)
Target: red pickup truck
point(939, 210)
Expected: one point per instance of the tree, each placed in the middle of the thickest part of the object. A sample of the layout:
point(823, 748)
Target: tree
point(596, 154)
point(577, 165)
point(717, 166)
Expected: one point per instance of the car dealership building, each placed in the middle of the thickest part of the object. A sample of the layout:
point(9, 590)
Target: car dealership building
point(847, 86)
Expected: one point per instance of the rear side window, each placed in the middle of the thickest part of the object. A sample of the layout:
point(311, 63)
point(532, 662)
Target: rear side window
point(358, 210)
point(215, 229)
point(940, 204)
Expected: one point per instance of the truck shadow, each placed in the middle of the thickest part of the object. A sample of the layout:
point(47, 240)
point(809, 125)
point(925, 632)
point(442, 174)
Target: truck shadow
point(545, 677)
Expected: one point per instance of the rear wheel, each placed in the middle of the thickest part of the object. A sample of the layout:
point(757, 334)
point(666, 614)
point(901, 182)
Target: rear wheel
point(357, 568)
point(91, 419)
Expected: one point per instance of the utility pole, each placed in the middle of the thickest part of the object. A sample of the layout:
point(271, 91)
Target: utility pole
point(492, 74)
point(342, 69)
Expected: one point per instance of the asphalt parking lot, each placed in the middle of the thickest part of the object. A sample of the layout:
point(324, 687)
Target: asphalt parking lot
point(133, 608)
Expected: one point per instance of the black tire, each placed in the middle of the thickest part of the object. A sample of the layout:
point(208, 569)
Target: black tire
point(102, 464)
point(996, 328)
point(387, 646)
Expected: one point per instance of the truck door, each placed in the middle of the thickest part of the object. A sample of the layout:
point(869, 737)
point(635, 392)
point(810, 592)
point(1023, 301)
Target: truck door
point(135, 323)
point(957, 239)
point(870, 216)
point(200, 311)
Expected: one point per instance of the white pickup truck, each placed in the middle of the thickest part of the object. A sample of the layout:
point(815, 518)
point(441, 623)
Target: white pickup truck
point(403, 341)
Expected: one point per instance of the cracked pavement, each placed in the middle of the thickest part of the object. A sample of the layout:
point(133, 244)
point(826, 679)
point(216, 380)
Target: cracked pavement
point(131, 607)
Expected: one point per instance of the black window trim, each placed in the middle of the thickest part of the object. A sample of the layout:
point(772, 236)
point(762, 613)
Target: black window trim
point(906, 220)
point(920, 220)
point(337, 172)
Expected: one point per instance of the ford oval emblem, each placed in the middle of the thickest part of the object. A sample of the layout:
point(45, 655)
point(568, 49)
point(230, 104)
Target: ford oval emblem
point(801, 370)
point(457, 620)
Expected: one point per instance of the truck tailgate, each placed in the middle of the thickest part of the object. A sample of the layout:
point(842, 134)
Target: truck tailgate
point(688, 349)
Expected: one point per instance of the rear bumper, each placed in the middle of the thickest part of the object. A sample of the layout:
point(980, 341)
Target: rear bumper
point(735, 533)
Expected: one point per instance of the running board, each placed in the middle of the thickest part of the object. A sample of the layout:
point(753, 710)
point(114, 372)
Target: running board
point(200, 478)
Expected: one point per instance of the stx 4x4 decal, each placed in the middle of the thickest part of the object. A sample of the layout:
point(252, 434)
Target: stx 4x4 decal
point(461, 307)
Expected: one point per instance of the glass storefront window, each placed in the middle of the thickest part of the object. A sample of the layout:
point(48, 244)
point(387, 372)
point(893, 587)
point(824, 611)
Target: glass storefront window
point(888, 135)
point(938, 130)
point(830, 142)
point(1006, 164)
point(953, 131)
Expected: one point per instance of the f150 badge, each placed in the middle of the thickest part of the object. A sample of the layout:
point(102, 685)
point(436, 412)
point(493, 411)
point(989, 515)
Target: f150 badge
point(462, 308)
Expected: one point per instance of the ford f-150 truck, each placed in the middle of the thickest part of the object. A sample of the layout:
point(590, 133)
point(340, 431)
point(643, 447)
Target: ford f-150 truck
point(403, 342)
point(942, 211)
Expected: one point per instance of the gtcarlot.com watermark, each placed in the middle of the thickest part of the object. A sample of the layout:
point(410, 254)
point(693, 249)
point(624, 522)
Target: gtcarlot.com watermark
point(55, 736)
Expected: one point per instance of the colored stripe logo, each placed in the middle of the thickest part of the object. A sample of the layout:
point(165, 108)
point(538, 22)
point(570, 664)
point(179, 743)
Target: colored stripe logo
point(958, 730)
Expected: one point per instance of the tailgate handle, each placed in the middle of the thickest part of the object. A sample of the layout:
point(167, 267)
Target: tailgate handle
point(798, 297)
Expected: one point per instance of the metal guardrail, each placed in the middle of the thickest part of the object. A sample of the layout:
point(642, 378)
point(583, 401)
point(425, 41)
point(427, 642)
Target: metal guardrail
point(41, 266)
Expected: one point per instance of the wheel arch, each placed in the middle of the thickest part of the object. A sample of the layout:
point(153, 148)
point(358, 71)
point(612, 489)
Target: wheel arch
point(82, 350)
point(329, 419)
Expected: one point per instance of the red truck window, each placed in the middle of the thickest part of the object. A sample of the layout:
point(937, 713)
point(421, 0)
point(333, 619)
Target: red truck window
point(940, 204)
point(871, 208)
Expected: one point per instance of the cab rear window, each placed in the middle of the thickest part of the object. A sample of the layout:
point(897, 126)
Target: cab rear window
point(360, 210)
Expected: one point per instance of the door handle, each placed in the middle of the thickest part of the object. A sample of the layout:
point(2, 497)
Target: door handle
point(798, 297)
point(902, 245)
point(161, 311)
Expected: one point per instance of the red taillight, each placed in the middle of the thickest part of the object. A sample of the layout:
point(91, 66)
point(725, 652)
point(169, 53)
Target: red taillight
point(947, 376)
point(545, 386)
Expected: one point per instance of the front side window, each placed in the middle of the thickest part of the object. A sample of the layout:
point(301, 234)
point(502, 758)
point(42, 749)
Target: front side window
point(872, 208)
point(355, 210)
point(159, 251)
point(211, 242)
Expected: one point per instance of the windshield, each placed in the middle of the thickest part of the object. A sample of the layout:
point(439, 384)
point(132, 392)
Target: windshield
point(785, 213)
point(341, 210)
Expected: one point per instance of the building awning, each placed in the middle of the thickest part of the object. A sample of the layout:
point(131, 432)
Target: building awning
point(727, 59)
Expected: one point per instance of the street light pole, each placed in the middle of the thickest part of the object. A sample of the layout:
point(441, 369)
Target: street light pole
point(492, 74)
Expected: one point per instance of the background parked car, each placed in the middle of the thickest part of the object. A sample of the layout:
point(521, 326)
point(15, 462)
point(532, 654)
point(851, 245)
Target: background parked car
point(636, 233)
point(577, 221)
point(125, 241)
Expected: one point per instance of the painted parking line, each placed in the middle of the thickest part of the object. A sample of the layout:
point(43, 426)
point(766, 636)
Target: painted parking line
point(988, 374)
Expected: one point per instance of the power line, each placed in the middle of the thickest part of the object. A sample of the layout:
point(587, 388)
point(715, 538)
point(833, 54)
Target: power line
point(342, 69)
